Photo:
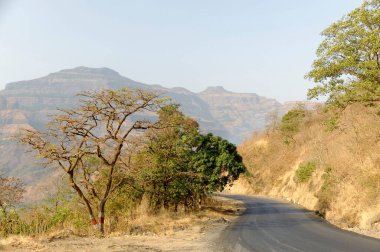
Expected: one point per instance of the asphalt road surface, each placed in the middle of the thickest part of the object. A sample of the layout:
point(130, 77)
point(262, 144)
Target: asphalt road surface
point(274, 225)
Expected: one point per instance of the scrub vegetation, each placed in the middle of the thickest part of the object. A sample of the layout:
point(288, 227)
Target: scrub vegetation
point(304, 172)
point(119, 150)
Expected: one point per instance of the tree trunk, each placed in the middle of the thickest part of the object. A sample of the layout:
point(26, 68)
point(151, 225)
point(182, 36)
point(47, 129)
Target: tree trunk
point(101, 218)
point(81, 195)
point(101, 225)
point(166, 200)
point(93, 221)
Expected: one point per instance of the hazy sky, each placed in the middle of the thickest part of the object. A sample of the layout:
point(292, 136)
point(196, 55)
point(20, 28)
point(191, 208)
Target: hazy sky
point(265, 47)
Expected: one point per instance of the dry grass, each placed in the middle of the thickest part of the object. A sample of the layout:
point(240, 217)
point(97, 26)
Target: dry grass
point(163, 231)
point(345, 185)
point(168, 222)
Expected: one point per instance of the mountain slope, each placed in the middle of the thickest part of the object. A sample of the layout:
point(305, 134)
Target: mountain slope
point(327, 167)
point(29, 104)
point(241, 114)
point(39, 97)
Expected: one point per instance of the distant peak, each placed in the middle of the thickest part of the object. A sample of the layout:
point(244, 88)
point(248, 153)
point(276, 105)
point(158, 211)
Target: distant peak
point(90, 70)
point(215, 89)
point(180, 89)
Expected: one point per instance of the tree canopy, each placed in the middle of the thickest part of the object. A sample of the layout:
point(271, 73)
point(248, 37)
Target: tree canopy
point(347, 68)
point(180, 166)
point(218, 161)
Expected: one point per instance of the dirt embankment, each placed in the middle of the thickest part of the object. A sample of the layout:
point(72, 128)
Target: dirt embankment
point(329, 165)
point(163, 232)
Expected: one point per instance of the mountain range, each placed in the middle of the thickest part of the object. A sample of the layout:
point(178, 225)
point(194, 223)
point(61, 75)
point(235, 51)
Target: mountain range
point(234, 116)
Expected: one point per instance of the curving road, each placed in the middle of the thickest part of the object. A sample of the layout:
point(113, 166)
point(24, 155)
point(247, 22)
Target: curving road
point(274, 225)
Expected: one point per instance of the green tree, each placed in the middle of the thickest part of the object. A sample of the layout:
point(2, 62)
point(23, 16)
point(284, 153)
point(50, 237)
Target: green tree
point(180, 166)
point(347, 68)
point(165, 159)
point(218, 162)
point(291, 121)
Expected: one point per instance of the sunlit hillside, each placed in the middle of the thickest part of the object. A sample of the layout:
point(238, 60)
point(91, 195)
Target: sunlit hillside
point(325, 164)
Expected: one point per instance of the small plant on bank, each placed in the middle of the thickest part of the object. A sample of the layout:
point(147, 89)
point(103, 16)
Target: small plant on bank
point(304, 172)
point(290, 123)
point(331, 124)
point(325, 194)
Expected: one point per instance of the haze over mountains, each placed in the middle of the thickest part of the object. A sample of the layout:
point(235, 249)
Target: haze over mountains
point(233, 116)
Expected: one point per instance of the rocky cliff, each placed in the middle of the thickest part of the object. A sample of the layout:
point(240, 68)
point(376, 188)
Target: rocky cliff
point(240, 113)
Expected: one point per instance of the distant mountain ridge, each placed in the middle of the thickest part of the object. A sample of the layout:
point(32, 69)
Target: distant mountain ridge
point(233, 116)
point(240, 113)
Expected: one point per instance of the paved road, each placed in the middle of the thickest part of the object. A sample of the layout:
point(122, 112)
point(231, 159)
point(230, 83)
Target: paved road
point(273, 225)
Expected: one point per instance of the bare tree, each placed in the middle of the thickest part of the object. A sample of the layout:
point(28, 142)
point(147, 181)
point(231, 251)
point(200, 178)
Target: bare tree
point(92, 142)
point(11, 192)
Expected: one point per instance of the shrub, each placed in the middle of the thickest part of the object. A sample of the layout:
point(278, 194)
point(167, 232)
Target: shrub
point(325, 194)
point(290, 123)
point(331, 124)
point(304, 172)
point(9, 222)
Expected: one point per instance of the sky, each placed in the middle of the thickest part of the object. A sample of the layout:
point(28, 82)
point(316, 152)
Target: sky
point(264, 47)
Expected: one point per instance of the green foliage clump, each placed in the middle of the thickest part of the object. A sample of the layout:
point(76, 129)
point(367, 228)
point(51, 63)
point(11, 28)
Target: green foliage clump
point(181, 167)
point(218, 162)
point(290, 123)
point(325, 194)
point(9, 222)
point(327, 180)
point(59, 216)
point(31, 221)
point(347, 68)
point(304, 172)
point(331, 124)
